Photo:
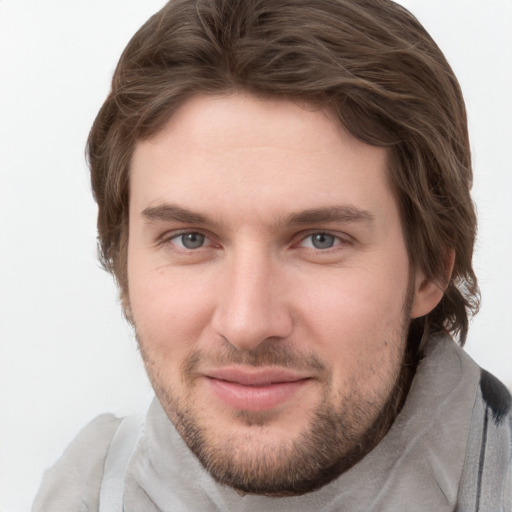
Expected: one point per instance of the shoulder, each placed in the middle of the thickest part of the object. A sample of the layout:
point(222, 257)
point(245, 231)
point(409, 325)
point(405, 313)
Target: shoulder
point(487, 475)
point(496, 397)
point(73, 483)
point(475, 415)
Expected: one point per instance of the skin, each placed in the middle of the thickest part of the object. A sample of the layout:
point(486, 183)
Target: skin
point(270, 288)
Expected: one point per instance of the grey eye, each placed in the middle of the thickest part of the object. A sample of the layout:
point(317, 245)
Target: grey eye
point(192, 240)
point(322, 240)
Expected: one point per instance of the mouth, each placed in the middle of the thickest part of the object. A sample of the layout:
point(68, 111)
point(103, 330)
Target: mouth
point(255, 389)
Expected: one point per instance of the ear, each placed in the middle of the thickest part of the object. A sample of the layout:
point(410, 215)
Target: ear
point(428, 293)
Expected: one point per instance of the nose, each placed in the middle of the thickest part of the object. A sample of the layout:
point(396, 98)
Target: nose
point(251, 305)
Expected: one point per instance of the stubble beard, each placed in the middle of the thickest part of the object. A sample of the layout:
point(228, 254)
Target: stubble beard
point(332, 442)
point(329, 446)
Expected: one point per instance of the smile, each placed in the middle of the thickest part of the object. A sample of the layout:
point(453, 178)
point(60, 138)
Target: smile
point(257, 390)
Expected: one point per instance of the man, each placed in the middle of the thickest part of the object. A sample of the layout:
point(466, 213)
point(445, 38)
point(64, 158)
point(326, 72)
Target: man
point(283, 192)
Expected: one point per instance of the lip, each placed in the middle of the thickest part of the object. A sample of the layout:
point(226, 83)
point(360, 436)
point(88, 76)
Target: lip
point(255, 389)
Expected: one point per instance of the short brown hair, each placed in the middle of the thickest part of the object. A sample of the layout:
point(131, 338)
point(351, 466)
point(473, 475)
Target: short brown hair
point(370, 61)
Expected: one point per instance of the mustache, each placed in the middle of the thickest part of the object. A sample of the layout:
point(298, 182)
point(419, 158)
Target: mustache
point(268, 353)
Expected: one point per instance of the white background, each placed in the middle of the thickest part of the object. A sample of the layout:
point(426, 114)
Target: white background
point(66, 353)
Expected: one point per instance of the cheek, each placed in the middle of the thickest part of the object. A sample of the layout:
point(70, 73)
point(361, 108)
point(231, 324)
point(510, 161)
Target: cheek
point(359, 300)
point(356, 318)
point(170, 310)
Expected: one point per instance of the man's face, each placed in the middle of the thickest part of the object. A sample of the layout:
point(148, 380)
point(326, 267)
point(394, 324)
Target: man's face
point(269, 287)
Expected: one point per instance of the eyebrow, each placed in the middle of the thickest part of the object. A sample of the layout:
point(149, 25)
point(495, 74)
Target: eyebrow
point(341, 214)
point(173, 213)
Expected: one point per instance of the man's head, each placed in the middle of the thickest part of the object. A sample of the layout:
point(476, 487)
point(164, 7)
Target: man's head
point(283, 191)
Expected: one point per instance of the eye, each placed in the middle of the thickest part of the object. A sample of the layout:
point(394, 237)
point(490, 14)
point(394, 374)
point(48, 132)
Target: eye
point(320, 241)
point(189, 241)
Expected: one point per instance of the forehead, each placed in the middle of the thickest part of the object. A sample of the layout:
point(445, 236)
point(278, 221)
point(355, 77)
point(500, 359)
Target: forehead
point(240, 153)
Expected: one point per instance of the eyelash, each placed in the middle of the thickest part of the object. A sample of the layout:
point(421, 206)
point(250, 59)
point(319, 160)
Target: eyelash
point(337, 241)
point(168, 240)
point(302, 238)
